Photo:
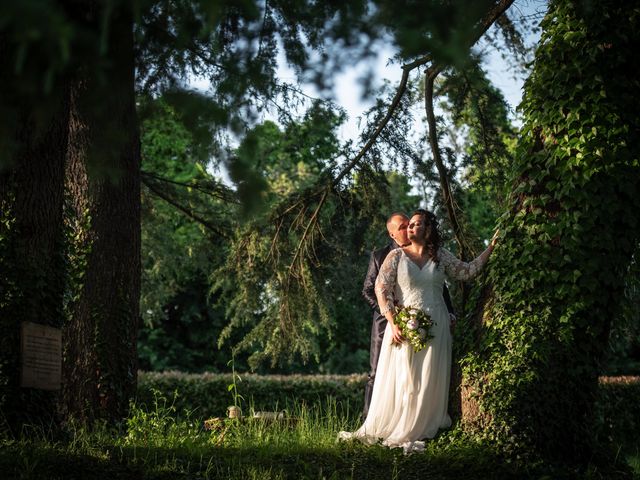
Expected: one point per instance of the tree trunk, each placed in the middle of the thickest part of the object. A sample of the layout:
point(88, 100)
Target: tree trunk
point(558, 272)
point(32, 268)
point(103, 185)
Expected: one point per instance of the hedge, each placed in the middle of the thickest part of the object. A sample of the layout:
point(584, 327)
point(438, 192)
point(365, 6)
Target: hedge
point(618, 410)
point(207, 394)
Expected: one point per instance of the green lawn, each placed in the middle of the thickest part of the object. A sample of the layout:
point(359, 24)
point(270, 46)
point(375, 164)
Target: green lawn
point(155, 444)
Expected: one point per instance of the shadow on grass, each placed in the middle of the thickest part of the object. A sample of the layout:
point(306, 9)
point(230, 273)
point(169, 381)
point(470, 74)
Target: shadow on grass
point(27, 460)
point(352, 460)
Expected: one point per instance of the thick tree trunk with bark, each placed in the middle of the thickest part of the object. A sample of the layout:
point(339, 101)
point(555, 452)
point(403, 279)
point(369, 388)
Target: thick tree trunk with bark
point(32, 266)
point(558, 272)
point(87, 269)
point(103, 187)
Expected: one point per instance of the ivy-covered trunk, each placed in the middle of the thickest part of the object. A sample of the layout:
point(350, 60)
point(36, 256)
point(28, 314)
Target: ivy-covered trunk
point(557, 277)
point(103, 191)
point(32, 268)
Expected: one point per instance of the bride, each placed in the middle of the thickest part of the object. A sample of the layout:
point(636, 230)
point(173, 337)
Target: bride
point(411, 390)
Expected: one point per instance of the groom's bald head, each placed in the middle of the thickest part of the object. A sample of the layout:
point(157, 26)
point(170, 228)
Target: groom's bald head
point(397, 227)
point(395, 216)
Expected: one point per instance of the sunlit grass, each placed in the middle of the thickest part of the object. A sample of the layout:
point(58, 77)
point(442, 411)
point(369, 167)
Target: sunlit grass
point(160, 443)
point(301, 427)
point(633, 459)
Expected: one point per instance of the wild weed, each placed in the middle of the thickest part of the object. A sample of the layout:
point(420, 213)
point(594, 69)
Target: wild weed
point(161, 427)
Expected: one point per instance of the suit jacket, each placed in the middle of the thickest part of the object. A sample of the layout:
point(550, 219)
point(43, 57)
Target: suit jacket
point(368, 290)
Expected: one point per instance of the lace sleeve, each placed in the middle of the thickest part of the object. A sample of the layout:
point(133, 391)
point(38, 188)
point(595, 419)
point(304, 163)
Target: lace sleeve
point(386, 281)
point(459, 270)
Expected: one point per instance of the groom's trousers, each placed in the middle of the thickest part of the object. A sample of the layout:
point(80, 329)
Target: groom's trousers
point(377, 333)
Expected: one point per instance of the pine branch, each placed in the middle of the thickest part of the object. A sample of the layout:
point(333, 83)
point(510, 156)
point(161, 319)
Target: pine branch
point(187, 211)
point(310, 224)
point(219, 191)
point(432, 73)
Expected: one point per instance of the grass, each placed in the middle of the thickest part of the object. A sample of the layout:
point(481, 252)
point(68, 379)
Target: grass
point(632, 458)
point(157, 443)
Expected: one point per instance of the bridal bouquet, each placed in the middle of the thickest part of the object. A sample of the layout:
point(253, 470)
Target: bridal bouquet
point(414, 324)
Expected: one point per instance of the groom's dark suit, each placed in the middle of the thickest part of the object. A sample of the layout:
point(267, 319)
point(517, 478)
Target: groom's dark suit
point(379, 321)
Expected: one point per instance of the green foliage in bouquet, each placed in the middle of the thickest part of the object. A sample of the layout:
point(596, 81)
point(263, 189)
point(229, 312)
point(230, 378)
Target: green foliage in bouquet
point(415, 325)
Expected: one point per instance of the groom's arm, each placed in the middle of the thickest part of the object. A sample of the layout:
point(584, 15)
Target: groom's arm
point(368, 289)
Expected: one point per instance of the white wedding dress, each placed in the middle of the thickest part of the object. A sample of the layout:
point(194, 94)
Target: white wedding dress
point(411, 390)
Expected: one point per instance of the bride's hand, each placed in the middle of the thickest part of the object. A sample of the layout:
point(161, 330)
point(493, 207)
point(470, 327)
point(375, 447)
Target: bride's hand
point(494, 239)
point(396, 334)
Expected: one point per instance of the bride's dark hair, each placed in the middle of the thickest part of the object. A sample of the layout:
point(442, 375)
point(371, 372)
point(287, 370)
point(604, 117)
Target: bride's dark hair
point(431, 232)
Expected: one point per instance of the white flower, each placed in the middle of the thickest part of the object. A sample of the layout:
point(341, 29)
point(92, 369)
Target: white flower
point(422, 333)
point(412, 324)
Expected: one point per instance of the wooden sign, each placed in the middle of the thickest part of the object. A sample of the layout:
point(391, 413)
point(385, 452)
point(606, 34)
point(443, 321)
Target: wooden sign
point(41, 359)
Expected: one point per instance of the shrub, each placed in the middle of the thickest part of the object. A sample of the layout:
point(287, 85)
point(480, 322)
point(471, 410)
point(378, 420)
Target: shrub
point(618, 410)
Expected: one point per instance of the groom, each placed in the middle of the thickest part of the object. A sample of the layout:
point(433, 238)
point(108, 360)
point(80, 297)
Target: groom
point(397, 228)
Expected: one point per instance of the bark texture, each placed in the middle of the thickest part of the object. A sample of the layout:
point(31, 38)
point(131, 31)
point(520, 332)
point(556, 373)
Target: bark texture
point(31, 233)
point(103, 190)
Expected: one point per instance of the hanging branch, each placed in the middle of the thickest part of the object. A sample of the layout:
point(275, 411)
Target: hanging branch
point(310, 225)
point(188, 212)
point(406, 69)
point(324, 190)
point(432, 72)
point(218, 191)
